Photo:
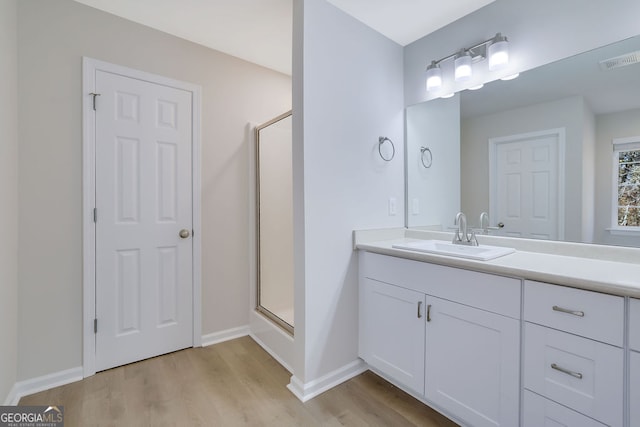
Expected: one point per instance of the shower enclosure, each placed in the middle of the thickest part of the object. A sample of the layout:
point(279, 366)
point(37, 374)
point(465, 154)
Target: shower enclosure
point(274, 205)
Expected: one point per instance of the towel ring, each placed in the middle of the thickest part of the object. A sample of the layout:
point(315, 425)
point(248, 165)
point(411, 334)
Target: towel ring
point(382, 140)
point(429, 157)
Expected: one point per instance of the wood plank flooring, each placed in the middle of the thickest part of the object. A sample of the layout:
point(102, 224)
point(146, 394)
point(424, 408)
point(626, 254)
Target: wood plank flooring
point(235, 383)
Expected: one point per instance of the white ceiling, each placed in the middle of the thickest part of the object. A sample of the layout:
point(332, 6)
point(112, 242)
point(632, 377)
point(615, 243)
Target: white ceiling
point(260, 31)
point(405, 21)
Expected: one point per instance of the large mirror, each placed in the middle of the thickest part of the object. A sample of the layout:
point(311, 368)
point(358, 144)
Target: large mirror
point(536, 153)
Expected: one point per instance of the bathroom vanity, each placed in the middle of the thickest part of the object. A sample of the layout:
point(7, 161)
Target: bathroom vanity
point(525, 339)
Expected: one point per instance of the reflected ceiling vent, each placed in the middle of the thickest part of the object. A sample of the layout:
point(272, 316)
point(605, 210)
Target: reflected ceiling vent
point(620, 61)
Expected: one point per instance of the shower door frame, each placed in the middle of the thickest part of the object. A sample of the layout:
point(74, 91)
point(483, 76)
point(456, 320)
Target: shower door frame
point(259, 308)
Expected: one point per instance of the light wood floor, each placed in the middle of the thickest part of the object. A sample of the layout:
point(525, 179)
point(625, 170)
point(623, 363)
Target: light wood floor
point(235, 383)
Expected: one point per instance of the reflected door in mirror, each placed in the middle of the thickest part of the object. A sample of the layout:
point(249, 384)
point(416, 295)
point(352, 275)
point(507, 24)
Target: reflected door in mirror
point(526, 193)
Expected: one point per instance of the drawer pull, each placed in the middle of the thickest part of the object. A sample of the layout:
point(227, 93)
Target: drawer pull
point(577, 375)
point(566, 310)
point(429, 313)
point(419, 311)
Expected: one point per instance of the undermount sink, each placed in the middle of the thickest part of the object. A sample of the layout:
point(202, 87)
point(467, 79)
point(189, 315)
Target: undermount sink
point(440, 247)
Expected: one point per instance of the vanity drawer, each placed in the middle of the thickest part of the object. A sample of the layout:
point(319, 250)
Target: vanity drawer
point(589, 314)
point(634, 324)
point(539, 411)
point(497, 294)
point(582, 374)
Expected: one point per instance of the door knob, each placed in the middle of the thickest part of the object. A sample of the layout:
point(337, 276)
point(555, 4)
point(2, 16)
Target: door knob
point(184, 233)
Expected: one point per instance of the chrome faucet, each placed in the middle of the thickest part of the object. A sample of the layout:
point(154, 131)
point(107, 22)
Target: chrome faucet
point(461, 232)
point(462, 237)
point(484, 217)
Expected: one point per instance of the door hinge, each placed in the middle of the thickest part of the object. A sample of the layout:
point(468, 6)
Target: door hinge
point(95, 215)
point(94, 99)
point(95, 326)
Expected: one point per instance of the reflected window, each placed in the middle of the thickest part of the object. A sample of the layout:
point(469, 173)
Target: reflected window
point(626, 183)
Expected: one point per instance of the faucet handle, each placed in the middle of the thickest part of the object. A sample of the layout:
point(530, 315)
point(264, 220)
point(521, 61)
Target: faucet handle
point(473, 240)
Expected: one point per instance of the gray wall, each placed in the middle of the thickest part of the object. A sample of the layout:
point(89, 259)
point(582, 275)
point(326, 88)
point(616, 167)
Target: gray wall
point(8, 196)
point(540, 32)
point(609, 127)
point(52, 38)
point(348, 92)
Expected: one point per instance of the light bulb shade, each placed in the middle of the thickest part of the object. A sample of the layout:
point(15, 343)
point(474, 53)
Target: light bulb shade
point(498, 52)
point(462, 66)
point(434, 77)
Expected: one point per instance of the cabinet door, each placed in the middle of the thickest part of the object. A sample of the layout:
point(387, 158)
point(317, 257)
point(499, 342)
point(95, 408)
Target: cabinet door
point(634, 324)
point(473, 363)
point(634, 388)
point(539, 411)
point(392, 332)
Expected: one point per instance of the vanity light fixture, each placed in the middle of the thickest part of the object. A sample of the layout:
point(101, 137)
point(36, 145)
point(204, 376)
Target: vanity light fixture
point(498, 52)
point(462, 64)
point(434, 76)
point(495, 48)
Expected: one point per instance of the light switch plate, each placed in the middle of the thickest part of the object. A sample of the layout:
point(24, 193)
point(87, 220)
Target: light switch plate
point(393, 206)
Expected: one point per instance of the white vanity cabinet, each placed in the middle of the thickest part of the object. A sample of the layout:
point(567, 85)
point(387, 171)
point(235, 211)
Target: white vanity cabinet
point(472, 363)
point(392, 332)
point(634, 362)
point(539, 411)
point(573, 355)
point(452, 336)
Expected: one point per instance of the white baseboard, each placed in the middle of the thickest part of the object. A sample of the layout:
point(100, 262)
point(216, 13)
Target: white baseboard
point(12, 399)
point(45, 382)
point(226, 335)
point(272, 353)
point(307, 391)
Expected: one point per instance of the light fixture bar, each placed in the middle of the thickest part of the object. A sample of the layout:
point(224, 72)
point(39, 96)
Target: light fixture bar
point(495, 48)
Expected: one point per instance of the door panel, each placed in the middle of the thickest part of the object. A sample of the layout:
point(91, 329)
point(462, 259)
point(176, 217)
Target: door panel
point(472, 363)
point(392, 334)
point(526, 186)
point(143, 199)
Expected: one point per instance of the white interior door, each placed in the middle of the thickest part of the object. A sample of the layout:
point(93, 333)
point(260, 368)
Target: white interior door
point(144, 273)
point(526, 191)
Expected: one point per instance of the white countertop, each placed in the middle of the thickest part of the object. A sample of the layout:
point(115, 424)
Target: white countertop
point(593, 267)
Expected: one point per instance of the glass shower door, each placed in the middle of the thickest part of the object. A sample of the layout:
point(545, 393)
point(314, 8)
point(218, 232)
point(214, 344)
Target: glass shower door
point(275, 220)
